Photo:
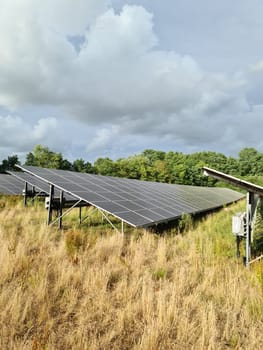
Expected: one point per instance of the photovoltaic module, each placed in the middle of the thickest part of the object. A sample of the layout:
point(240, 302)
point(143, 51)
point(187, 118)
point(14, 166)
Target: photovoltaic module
point(138, 203)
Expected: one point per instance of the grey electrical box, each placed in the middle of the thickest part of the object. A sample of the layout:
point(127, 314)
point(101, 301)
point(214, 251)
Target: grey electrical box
point(47, 201)
point(239, 224)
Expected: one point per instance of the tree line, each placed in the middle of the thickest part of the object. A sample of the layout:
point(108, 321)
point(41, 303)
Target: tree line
point(152, 165)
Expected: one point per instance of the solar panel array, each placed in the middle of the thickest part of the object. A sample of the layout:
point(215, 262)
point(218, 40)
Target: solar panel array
point(10, 185)
point(139, 203)
point(39, 185)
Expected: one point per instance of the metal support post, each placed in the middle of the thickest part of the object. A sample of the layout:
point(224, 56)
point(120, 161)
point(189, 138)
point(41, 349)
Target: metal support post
point(51, 196)
point(25, 194)
point(248, 228)
point(33, 193)
point(61, 202)
point(105, 217)
point(66, 212)
point(238, 241)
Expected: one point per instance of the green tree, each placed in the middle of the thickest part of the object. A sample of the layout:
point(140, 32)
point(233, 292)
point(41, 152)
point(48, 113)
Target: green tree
point(81, 166)
point(122, 167)
point(135, 167)
point(45, 158)
point(232, 166)
point(66, 165)
point(9, 163)
point(138, 167)
point(105, 166)
point(250, 161)
point(153, 155)
point(161, 171)
point(30, 159)
point(176, 167)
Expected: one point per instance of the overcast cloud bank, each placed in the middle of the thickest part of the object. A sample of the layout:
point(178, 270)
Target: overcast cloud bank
point(117, 84)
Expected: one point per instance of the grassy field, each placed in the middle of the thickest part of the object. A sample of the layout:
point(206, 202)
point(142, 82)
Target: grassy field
point(90, 288)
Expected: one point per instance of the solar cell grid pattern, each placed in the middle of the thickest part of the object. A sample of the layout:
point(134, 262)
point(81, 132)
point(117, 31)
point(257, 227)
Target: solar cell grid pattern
point(10, 185)
point(40, 185)
point(139, 203)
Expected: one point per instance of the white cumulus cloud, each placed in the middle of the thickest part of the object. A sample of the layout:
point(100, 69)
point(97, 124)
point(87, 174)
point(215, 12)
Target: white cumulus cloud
point(118, 80)
point(17, 135)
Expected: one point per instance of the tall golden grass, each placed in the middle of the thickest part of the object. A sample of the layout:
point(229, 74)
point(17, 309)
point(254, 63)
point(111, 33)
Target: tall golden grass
point(92, 289)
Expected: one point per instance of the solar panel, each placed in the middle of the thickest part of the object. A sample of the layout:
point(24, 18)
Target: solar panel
point(10, 185)
point(39, 185)
point(139, 203)
point(248, 186)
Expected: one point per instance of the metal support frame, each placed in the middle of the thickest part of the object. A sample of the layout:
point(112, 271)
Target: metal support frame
point(104, 216)
point(25, 193)
point(37, 194)
point(33, 194)
point(51, 197)
point(112, 225)
point(65, 213)
point(30, 194)
point(61, 202)
point(254, 196)
point(247, 221)
point(251, 212)
point(61, 214)
point(58, 204)
point(256, 259)
point(87, 216)
point(248, 228)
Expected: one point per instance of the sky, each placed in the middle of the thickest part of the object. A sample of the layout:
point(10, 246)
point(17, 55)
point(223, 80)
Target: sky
point(101, 78)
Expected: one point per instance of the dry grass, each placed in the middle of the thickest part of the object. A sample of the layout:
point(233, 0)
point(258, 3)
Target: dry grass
point(82, 290)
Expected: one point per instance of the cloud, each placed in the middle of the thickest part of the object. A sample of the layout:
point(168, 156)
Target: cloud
point(103, 139)
point(118, 71)
point(257, 67)
point(255, 83)
point(71, 16)
point(16, 134)
point(36, 56)
point(118, 79)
